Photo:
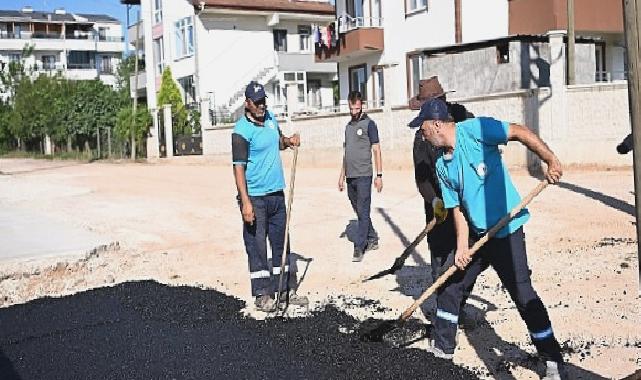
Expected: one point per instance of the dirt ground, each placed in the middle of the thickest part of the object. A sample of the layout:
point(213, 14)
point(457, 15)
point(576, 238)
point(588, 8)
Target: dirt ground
point(179, 223)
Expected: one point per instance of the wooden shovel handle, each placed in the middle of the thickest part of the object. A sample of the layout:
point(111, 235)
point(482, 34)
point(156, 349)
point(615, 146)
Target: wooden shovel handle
point(490, 233)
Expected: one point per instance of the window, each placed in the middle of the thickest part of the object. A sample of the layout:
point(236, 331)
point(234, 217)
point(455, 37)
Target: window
point(157, 11)
point(415, 5)
point(503, 53)
point(358, 79)
point(301, 93)
point(105, 66)
point(188, 90)
point(48, 62)
point(379, 86)
point(159, 55)
point(81, 60)
point(304, 33)
point(416, 72)
point(280, 40)
point(14, 57)
point(102, 34)
point(184, 37)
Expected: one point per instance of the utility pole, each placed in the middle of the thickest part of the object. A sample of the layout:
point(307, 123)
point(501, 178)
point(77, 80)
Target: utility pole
point(98, 141)
point(135, 106)
point(571, 38)
point(109, 142)
point(632, 24)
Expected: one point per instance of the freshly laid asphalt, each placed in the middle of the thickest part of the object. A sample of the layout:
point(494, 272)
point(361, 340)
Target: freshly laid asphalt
point(146, 330)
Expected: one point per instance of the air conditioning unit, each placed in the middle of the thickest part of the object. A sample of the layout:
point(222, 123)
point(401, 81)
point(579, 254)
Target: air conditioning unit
point(27, 9)
point(60, 11)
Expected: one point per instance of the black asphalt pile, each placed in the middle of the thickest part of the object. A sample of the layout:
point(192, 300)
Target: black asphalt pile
point(146, 330)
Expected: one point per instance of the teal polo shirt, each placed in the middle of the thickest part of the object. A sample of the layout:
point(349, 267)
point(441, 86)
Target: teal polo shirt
point(258, 147)
point(475, 177)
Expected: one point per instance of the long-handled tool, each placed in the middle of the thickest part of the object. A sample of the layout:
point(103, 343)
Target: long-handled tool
point(377, 334)
point(289, 213)
point(398, 263)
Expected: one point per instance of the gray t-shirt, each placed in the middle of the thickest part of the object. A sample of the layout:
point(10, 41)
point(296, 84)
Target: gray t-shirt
point(359, 137)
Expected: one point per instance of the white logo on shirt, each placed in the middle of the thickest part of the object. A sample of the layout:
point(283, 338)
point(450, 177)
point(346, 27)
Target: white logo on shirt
point(269, 124)
point(481, 170)
point(359, 132)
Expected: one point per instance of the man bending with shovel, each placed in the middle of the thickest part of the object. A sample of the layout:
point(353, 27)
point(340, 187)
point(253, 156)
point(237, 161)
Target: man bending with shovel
point(477, 187)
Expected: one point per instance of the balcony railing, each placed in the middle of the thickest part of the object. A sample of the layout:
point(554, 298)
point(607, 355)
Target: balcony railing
point(111, 38)
point(43, 35)
point(346, 23)
point(610, 76)
point(81, 66)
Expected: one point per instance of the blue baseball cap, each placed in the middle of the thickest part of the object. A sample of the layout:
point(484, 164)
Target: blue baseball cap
point(255, 91)
point(433, 109)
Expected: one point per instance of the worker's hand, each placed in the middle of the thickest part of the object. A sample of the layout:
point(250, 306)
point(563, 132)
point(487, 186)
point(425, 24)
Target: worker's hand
point(462, 258)
point(378, 184)
point(440, 212)
point(294, 140)
point(248, 213)
point(341, 183)
point(555, 171)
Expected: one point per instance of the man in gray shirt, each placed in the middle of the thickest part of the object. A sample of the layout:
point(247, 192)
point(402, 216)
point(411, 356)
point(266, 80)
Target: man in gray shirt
point(361, 138)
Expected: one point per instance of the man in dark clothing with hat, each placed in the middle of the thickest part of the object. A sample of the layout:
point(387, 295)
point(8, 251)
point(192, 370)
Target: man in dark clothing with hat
point(258, 172)
point(442, 239)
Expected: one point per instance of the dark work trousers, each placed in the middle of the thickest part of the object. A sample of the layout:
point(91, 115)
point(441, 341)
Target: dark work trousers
point(359, 192)
point(508, 258)
point(270, 213)
point(442, 239)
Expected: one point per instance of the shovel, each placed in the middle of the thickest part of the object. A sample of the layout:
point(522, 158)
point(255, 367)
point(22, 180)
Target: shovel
point(398, 263)
point(378, 333)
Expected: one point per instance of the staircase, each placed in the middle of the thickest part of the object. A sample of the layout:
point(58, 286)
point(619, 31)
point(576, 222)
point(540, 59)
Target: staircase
point(229, 111)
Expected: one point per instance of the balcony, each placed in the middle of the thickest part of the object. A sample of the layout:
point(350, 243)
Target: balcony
point(358, 37)
point(303, 62)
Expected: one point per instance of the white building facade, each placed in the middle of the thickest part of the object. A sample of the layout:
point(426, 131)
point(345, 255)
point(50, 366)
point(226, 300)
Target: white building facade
point(377, 38)
point(215, 47)
point(80, 46)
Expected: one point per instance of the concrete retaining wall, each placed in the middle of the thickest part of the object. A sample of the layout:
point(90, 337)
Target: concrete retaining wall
point(582, 124)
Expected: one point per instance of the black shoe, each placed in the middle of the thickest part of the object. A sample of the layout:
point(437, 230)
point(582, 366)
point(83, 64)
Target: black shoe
point(372, 245)
point(358, 255)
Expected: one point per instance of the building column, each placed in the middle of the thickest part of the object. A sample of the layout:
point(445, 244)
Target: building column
point(169, 131)
point(557, 126)
point(153, 141)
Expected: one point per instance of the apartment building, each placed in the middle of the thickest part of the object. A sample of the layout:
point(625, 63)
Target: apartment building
point(375, 41)
point(80, 46)
point(215, 47)
point(600, 20)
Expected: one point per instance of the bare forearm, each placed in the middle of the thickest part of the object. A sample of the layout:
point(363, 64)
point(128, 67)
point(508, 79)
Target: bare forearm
point(241, 183)
point(462, 229)
point(378, 160)
point(533, 142)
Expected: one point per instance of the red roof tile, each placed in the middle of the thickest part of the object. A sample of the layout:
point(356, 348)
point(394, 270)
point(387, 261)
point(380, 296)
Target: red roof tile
point(295, 6)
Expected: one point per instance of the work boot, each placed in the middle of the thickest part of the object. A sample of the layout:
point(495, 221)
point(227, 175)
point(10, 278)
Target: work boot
point(553, 371)
point(295, 299)
point(265, 303)
point(372, 245)
point(358, 255)
point(432, 349)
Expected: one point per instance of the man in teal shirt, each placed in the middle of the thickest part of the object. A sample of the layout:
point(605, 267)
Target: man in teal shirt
point(477, 187)
point(258, 172)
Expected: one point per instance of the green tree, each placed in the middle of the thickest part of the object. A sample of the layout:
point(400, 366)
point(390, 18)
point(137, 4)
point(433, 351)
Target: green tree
point(170, 94)
point(124, 121)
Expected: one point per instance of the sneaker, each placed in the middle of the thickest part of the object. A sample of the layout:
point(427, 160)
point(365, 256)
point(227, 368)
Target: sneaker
point(358, 255)
point(553, 371)
point(295, 299)
point(372, 245)
point(432, 349)
point(265, 303)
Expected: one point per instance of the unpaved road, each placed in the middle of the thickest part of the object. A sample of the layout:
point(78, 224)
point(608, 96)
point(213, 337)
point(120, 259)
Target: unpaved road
point(178, 223)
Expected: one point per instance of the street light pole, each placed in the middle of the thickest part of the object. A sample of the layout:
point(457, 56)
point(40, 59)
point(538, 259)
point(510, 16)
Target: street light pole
point(632, 24)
